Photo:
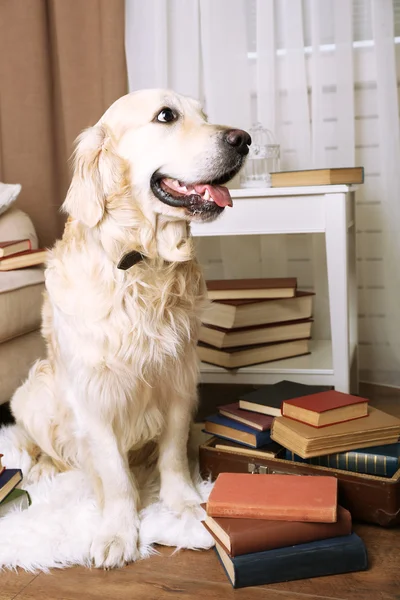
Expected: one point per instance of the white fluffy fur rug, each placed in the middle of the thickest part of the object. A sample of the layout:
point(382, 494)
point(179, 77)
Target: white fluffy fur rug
point(57, 529)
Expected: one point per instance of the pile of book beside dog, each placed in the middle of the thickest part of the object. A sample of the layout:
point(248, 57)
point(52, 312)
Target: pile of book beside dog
point(11, 497)
point(18, 254)
point(252, 321)
point(265, 526)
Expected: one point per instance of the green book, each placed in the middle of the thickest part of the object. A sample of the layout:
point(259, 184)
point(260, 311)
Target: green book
point(16, 500)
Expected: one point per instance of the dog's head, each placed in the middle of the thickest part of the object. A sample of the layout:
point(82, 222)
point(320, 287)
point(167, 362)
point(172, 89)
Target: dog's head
point(159, 145)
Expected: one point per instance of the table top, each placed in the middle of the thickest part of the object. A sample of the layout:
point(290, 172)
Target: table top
point(304, 190)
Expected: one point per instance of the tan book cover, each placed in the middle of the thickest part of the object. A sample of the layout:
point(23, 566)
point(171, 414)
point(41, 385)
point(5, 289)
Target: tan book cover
point(341, 176)
point(30, 258)
point(307, 441)
point(239, 289)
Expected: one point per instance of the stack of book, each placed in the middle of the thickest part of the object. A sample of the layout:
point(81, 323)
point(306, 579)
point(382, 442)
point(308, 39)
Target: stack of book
point(273, 528)
point(18, 254)
point(11, 498)
point(322, 426)
point(252, 321)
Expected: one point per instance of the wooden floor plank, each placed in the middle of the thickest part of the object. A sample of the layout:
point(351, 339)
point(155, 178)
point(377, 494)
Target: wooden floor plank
point(12, 583)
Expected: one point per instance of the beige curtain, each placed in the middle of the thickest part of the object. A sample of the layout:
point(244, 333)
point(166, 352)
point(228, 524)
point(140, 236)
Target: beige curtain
point(62, 63)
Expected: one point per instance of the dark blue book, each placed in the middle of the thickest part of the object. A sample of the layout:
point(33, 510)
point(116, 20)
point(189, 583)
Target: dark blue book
point(315, 559)
point(383, 461)
point(9, 479)
point(228, 429)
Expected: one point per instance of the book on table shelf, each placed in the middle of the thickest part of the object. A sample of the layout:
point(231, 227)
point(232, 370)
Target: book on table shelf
point(240, 289)
point(331, 556)
point(277, 497)
point(29, 258)
point(234, 358)
point(232, 314)
point(268, 399)
point(340, 176)
point(15, 501)
point(9, 479)
point(226, 428)
point(382, 461)
point(14, 247)
point(269, 450)
point(325, 408)
point(256, 334)
point(376, 429)
point(252, 419)
point(244, 536)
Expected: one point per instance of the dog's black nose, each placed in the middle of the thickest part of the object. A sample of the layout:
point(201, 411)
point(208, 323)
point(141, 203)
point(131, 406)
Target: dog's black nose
point(239, 139)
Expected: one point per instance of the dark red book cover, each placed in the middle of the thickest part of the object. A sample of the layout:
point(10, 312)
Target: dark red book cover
point(257, 420)
point(324, 401)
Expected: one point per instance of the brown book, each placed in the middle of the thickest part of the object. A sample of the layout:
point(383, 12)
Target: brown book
point(274, 497)
point(14, 247)
point(231, 314)
point(30, 258)
point(259, 334)
point(244, 536)
point(271, 450)
point(234, 358)
point(239, 289)
point(325, 408)
point(252, 419)
point(344, 176)
point(376, 429)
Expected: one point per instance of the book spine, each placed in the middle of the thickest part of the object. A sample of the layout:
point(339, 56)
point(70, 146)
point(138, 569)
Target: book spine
point(357, 462)
point(306, 561)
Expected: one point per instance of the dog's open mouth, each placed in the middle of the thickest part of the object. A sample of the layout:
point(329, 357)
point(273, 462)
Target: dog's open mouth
point(209, 193)
point(199, 196)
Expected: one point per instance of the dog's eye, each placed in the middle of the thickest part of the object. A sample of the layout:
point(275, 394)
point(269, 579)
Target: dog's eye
point(166, 115)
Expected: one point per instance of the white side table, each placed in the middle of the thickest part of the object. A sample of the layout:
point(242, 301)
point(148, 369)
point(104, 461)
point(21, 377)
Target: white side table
point(328, 209)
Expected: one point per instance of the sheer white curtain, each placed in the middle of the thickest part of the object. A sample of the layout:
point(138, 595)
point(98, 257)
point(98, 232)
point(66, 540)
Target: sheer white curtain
point(323, 76)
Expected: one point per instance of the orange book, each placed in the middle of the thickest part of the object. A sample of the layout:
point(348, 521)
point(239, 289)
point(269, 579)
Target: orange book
point(276, 497)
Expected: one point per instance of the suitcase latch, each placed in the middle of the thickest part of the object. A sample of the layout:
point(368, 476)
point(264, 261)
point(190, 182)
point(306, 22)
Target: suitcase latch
point(257, 469)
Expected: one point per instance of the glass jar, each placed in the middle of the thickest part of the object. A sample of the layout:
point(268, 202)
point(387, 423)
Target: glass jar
point(263, 158)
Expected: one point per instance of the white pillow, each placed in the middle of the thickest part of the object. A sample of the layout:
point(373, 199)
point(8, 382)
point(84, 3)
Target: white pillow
point(8, 195)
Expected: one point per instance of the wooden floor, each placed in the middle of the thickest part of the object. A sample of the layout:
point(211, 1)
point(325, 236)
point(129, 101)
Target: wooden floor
point(196, 575)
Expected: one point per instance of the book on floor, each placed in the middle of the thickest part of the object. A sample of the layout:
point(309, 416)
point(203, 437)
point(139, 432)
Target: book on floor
point(239, 289)
point(383, 461)
point(15, 500)
point(269, 450)
point(277, 497)
point(30, 258)
point(340, 176)
point(268, 398)
point(226, 428)
point(258, 334)
point(252, 419)
point(244, 536)
point(14, 247)
point(9, 479)
point(231, 314)
point(332, 556)
point(325, 408)
point(376, 429)
point(234, 358)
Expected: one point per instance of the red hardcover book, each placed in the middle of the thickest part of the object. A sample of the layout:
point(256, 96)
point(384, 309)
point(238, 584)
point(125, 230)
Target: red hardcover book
point(325, 408)
point(252, 419)
point(14, 247)
point(274, 497)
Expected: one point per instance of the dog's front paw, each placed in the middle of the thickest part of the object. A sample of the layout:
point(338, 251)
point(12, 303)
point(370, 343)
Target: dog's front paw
point(114, 548)
point(182, 499)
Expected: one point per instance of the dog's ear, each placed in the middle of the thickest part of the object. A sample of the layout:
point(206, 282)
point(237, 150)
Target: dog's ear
point(96, 175)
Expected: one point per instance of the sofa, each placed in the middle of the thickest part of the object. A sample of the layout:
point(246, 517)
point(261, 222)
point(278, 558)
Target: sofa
point(21, 296)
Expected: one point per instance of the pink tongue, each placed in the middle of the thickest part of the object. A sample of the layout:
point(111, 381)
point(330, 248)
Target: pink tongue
point(218, 193)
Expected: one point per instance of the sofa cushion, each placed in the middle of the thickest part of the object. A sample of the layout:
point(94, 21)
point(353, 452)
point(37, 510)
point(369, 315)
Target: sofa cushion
point(8, 195)
point(21, 298)
point(16, 225)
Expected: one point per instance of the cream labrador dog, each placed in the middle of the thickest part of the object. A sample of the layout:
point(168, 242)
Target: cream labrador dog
point(124, 295)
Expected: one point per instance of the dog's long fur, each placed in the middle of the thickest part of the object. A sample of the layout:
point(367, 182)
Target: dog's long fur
point(121, 368)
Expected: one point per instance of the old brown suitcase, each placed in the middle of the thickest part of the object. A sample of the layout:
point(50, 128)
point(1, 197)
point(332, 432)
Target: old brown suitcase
point(369, 498)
